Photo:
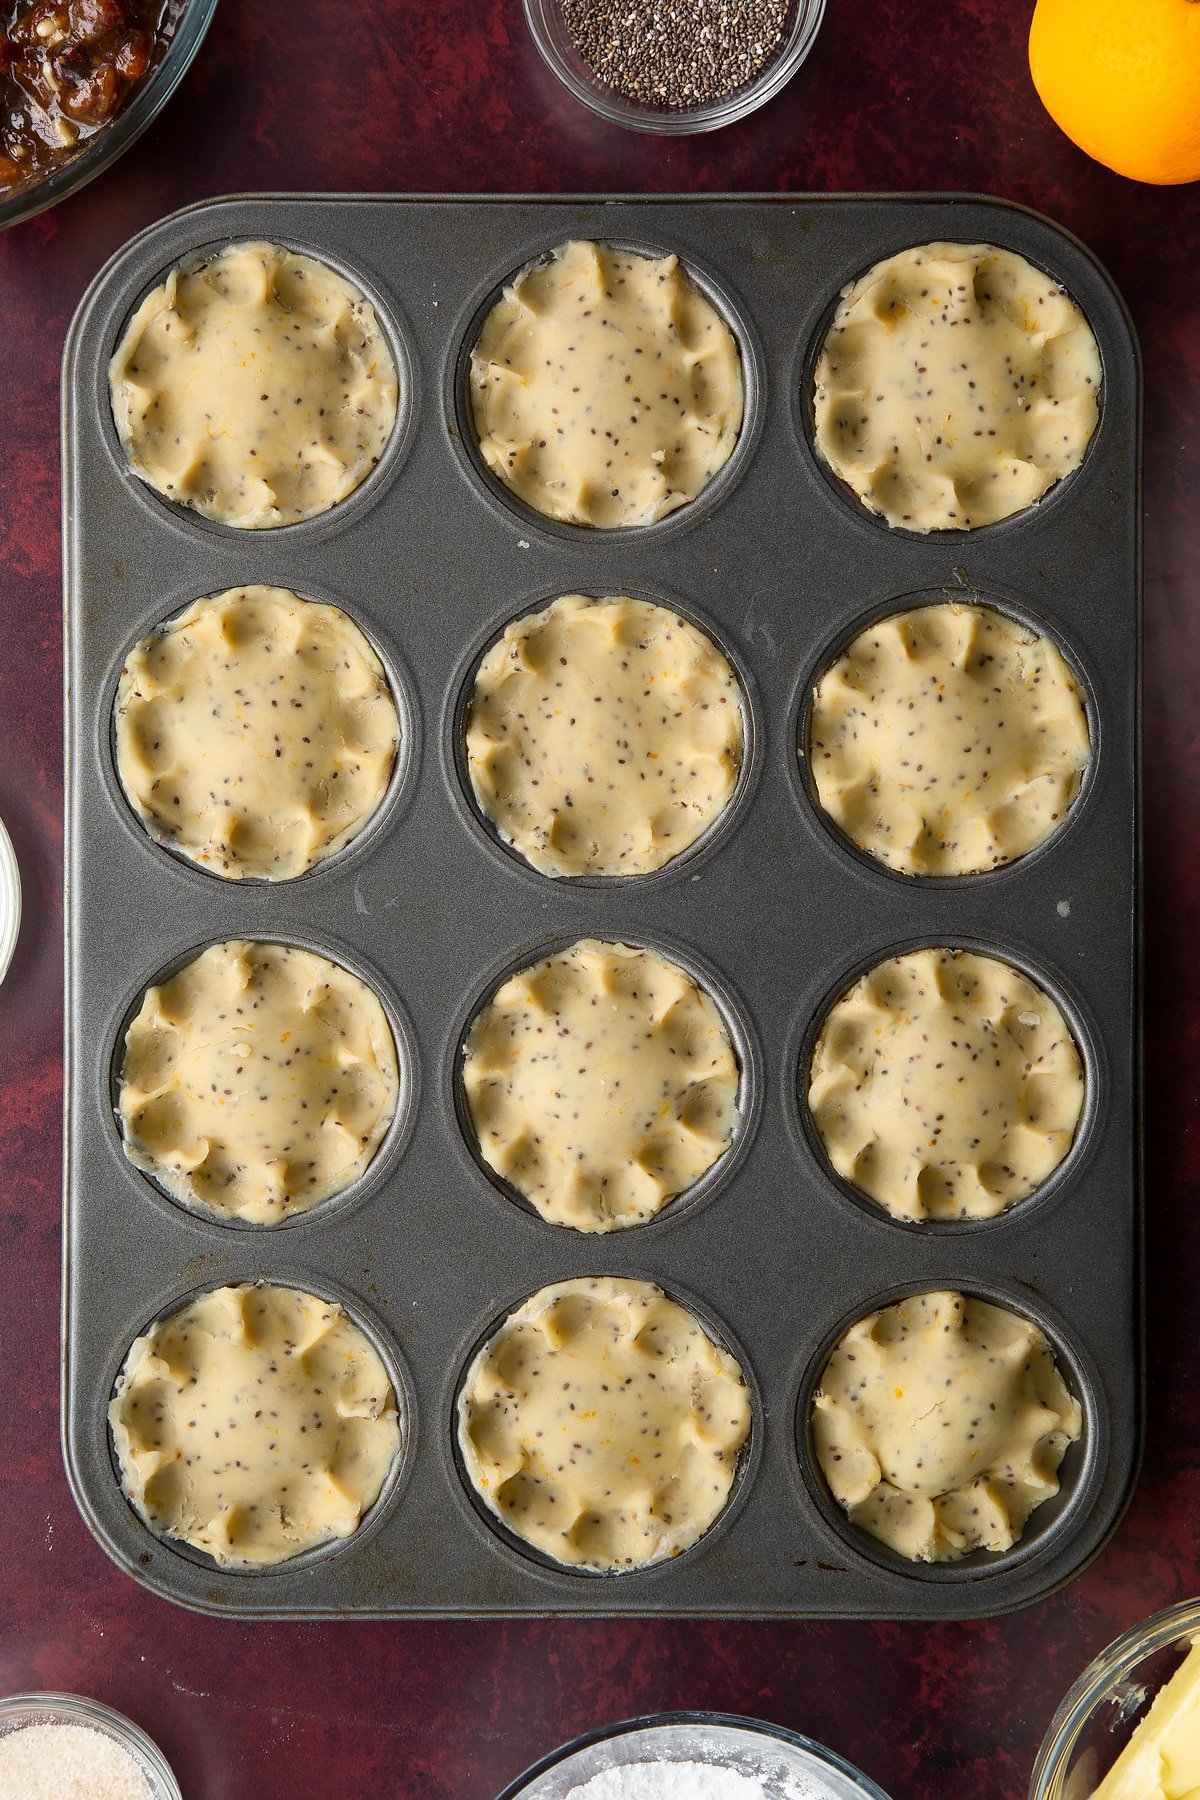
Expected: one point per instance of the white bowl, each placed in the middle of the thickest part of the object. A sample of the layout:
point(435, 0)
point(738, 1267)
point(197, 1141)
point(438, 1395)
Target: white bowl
point(75, 1709)
point(794, 1767)
point(10, 900)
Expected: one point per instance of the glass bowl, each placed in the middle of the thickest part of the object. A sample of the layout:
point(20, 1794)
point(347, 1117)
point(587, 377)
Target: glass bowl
point(144, 107)
point(550, 34)
point(75, 1709)
point(10, 900)
point(1099, 1714)
point(791, 1765)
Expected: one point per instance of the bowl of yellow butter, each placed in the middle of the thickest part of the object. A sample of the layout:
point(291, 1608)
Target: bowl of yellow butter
point(1129, 1729)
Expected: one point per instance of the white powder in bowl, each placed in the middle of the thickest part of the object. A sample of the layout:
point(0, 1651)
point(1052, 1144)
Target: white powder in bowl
point(67, 1762)
point(686, 1781)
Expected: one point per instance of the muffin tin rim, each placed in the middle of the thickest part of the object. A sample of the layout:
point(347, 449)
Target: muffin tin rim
point(955, 200)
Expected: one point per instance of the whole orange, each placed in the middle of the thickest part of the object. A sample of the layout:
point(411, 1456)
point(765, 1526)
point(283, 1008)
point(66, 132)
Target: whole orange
point(1122, 79)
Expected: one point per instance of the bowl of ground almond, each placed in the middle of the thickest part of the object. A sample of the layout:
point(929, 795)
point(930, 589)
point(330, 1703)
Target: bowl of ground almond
point(674, 66)
point(55, 1746)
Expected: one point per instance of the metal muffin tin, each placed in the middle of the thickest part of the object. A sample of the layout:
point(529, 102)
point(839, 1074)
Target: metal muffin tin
point(782, 566)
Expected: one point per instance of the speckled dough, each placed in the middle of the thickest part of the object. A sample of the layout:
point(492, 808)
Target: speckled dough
point(957, 384)
point(940, 1424)
point(257, 1081)
point(945, 1085)
point(948, 739)
point(254, 1423)
point(256, 733)
point(603, 1425)
point(601, 1082)
point(258, 388)
point(606, 389)
point(604, 736)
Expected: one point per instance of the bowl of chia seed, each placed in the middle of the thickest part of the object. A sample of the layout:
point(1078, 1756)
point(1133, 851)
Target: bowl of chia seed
point(674, 66)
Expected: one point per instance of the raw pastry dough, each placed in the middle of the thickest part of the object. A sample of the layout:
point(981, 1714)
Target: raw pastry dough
point(957, 383)
point(606, 389)
point(601, 1082)
point(254, 1423)
point(604, 736)
point(603, 1425)
point(258, 389)
point(256, 733)
point(257, 1081)
point(948, 739)
point(940, 1424)
point(945, 1085)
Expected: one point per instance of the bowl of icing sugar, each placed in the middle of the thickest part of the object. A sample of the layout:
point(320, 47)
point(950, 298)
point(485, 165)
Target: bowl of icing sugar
point(692, 1756)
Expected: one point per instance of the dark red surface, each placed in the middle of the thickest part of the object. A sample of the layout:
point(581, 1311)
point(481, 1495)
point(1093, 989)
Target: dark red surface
point(384, 94)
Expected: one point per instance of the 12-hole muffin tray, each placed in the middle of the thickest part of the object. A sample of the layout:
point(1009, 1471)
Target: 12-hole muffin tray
point(773, 910)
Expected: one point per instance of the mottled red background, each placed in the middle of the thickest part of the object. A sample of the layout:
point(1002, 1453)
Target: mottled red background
point(390, 94)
